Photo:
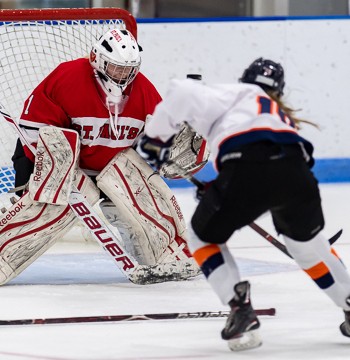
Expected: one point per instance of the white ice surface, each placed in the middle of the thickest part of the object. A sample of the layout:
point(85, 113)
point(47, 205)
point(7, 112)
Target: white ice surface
point(82, 281)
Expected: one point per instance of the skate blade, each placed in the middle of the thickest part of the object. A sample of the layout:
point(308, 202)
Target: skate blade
point(248, 340)
point(344, 330)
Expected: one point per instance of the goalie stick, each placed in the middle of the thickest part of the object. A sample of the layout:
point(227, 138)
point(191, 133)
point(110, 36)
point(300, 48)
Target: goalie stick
point(115, 318)
point(200, 185)
point(110, 241)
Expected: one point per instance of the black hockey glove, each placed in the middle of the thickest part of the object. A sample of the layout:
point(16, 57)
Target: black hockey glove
point(201, 190)
point(154, 151)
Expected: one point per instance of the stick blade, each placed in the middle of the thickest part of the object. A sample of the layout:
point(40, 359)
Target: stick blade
point(335, 237)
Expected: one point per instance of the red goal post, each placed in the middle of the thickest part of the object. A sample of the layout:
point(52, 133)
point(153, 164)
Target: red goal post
point(32, 44)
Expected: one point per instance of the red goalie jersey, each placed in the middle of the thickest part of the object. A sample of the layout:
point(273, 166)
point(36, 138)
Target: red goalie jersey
point(71, 97)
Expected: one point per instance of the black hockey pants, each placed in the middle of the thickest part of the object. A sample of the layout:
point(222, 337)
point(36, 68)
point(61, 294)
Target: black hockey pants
point(258, 182)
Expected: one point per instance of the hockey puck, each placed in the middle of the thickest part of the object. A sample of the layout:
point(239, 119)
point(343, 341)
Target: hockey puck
point(194, 76)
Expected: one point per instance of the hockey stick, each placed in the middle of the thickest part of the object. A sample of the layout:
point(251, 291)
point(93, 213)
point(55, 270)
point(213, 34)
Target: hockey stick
point(279, 245)
point(200, 185)
point(114, 318)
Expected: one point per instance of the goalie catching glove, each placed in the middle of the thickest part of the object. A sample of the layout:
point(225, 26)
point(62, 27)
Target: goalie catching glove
point(185, 152)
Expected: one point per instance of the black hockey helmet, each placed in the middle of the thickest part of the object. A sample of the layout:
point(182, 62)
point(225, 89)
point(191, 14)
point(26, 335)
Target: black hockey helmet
point(265, 73)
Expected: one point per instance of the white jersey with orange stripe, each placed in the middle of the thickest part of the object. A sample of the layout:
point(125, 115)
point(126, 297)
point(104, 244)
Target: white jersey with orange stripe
point(227, 115)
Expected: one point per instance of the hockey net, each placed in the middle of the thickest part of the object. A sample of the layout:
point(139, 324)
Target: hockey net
point(32, 44)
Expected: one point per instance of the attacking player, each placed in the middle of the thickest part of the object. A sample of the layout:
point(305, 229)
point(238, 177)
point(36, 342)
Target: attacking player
point(84, 119)
point(264, 165)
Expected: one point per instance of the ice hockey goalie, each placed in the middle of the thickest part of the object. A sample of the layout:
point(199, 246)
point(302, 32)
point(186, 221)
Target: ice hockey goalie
point(135, 200)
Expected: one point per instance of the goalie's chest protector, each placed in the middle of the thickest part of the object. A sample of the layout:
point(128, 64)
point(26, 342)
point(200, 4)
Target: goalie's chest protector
point(70, 98)
point(103, 134)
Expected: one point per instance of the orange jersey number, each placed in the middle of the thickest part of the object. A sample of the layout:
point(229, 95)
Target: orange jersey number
point(267, 105)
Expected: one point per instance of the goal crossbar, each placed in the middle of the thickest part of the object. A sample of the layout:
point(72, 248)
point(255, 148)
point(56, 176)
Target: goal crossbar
point(7, 15)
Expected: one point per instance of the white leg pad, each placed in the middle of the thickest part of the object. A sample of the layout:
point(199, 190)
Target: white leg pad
point(29, 228)
point(145, 211)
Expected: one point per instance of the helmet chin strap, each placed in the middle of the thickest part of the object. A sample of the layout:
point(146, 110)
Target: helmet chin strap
point(113, 123)
point(116, 109)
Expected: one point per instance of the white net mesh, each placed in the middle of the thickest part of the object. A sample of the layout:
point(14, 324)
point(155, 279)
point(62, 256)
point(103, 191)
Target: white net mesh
point(29, 51)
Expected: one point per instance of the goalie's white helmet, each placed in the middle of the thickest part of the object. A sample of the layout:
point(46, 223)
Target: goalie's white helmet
point(116, 58)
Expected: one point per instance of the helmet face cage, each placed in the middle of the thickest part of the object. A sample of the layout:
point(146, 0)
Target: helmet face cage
point(265, 73)
point(120, 74)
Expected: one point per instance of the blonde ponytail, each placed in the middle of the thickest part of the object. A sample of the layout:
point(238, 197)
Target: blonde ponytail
point(289, 111)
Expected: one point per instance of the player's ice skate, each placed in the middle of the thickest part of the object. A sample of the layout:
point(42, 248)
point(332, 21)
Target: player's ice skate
point(345, 326)
point(241, 329)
